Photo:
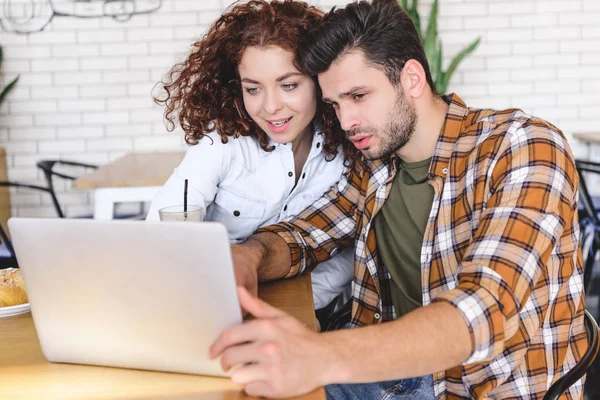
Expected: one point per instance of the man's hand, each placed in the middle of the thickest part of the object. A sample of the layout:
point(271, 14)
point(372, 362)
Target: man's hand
point(273, 355)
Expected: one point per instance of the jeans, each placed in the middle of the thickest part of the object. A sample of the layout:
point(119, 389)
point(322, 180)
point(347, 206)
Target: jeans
point(420, 388)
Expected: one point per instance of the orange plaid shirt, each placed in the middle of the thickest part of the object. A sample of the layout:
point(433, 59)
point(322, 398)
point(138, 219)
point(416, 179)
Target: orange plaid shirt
point(501, 245)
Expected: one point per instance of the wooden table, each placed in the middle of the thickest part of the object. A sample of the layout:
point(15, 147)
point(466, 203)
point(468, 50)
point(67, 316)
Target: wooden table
point(25, 373)
point(131, 178)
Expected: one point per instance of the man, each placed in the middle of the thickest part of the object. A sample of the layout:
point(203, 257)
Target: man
point(465, 229)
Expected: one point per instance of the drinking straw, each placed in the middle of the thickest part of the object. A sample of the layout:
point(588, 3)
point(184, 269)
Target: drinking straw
point(185, 190)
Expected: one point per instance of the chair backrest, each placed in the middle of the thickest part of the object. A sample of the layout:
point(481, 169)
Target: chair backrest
point(589, 220)
point(7, 253)
point(590, 246)
point(34, 187)
point(47, 167)
point(585, 196)
point(10, 260)
point(579, 370)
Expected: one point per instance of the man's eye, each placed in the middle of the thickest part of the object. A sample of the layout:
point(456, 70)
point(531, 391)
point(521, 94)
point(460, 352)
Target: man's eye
point(358, 96)
point(252, 90)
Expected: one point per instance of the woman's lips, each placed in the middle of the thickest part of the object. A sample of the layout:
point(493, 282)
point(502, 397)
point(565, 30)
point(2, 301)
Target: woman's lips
point(279, 128)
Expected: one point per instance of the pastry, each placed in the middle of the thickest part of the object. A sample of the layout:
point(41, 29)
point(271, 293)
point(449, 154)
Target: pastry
point(12, 287)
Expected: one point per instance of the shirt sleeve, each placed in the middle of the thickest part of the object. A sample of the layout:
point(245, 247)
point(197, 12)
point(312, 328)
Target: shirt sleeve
point(324, 228)
point(205, 165)
point(532, 199)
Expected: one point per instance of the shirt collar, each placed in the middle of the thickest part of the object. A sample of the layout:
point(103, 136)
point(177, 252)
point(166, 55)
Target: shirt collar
point(450, 132)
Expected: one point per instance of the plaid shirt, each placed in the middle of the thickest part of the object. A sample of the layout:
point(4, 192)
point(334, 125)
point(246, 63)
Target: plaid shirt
point(501, 245)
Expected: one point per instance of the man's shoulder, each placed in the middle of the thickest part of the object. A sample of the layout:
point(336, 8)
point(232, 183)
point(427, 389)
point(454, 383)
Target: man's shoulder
point(508, 125)
point(505, 120)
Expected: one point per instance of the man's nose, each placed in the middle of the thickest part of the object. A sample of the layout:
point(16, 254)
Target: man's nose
point(348, 119)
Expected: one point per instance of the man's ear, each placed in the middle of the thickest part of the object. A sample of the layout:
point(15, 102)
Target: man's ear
point(413, 78)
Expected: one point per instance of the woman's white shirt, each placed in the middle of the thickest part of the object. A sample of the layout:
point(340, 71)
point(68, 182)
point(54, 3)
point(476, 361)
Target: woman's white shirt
point(245, 187)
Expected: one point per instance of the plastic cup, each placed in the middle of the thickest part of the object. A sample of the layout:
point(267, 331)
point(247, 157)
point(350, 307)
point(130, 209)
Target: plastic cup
point(176, 213)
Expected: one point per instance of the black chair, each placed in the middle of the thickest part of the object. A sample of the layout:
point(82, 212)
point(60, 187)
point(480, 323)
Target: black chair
point(589, 205)
point(579, 370)
point(590, 246)
point(589, 216)
point(7, 253)
point(47, 167)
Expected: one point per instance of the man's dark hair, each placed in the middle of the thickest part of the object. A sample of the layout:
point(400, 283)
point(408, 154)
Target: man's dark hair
point(381, 29)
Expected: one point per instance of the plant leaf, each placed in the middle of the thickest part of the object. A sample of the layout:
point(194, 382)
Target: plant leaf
point(433, 46)
point(431, 39)
point(7, 89)
point(414, 6)
point(434, 63)
point(442, 84)
point(1, 54)
point(413, 13)
point(438, 78)
point(459, 57)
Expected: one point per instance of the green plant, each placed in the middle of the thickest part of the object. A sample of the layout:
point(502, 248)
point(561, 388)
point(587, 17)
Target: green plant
point(433, 45)
point(8, 87)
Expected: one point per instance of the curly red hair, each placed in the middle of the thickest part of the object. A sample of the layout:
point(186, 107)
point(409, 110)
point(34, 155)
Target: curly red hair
point(204, 92)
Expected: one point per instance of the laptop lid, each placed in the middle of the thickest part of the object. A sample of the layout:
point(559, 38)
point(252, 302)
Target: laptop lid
point(133, 294)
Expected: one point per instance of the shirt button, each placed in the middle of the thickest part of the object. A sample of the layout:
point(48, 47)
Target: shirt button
point(304, 175)
point(236, 213)
point(318, 145)
point(445, 171)
point(285, 208)
point(290, 174)
point(377, 315)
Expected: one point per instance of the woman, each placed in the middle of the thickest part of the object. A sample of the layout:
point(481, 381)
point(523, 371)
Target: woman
point(263, 146)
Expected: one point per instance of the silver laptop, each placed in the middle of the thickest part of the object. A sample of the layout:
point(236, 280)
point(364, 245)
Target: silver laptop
point(133, 294)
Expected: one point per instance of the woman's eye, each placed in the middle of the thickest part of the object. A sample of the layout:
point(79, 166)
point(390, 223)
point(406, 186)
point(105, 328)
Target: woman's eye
point(289, 86)
point(252, 90)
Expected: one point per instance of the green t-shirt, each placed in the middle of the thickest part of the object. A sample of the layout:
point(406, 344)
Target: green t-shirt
point(400, 227)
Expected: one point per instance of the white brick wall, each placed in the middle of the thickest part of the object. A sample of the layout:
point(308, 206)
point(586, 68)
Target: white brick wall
point(85, 85)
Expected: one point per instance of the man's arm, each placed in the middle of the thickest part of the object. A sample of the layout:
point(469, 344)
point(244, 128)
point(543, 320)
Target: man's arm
point(277, 356)
point(262, 257)
point(512, 255)
point(316, 234)
point(427, 340)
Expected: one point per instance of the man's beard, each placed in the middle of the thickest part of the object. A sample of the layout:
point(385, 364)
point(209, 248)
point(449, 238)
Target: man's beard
point(396, 132)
